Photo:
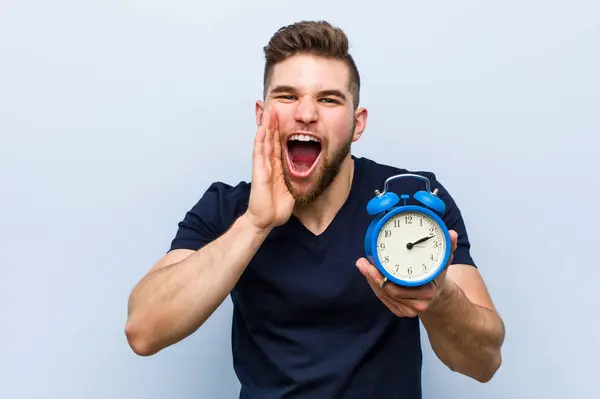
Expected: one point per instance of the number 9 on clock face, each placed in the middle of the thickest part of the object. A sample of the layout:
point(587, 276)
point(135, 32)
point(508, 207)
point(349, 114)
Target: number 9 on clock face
point(412, 247)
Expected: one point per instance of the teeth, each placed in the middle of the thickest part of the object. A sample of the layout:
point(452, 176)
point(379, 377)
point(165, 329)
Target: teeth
point(303, 137)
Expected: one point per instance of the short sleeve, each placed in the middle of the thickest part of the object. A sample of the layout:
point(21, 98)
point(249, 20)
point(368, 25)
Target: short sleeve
point(220, 205)
point(454, 221)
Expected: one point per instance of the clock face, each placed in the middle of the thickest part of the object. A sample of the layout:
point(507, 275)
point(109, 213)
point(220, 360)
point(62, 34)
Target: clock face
point(411, 246)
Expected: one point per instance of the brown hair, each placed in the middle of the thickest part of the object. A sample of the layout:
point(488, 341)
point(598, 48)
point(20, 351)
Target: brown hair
point(318, 38)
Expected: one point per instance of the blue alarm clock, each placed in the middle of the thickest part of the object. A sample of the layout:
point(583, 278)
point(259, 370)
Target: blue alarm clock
point(409, 244)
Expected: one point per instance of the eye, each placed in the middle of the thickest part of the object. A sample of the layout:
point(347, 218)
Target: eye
point(287, 97)
point(329, 100)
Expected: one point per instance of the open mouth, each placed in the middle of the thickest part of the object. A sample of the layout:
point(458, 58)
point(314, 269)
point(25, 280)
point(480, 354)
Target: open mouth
point(303, 152)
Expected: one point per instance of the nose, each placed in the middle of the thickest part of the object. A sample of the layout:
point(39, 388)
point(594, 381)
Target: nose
point(306, 110)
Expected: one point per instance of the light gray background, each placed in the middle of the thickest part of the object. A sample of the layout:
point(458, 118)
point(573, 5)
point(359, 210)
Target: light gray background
point(115, 116)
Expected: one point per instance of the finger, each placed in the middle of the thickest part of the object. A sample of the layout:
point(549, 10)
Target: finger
point(403, 310)
point(259, 139)
point(398, 308)
point(277, 155)
point(416, 305)
point(268, 145)
point(453, 239)
point(369, 271)
point(373, 275)
point(423, 292)
point(375, 286)
point(375, 278)
point(273, 120)
point(453, 245)
point(374, 281)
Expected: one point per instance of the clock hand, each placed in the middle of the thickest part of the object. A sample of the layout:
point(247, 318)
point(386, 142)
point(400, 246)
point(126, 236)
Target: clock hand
point(411, 244)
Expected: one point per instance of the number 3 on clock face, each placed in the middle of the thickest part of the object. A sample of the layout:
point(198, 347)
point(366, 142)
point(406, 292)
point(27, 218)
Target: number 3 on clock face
point(411, 246)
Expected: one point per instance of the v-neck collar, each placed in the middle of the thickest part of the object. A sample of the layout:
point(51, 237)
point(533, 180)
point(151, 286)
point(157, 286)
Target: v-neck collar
point(345, 209)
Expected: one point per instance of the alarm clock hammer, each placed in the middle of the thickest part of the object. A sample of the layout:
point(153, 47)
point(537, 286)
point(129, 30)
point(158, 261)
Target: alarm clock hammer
point(409, 244)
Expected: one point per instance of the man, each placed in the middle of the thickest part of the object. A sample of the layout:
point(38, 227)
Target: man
point(311, 318)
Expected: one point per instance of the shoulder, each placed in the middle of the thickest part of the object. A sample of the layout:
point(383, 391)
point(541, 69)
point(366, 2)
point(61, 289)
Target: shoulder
point(227, 194)
point(378, 172)
point(224, 201)
point(212, 214)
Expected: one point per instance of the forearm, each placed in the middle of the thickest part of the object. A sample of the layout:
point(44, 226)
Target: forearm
point(466, 337)
point(172, 302)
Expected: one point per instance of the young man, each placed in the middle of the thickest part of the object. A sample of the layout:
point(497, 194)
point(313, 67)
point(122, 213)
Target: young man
point(311, 318)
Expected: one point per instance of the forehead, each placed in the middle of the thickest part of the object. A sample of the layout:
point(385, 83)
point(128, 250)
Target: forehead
point(311, 73)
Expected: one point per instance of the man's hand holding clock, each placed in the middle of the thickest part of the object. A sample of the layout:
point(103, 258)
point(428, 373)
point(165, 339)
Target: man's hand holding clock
point(407, 301)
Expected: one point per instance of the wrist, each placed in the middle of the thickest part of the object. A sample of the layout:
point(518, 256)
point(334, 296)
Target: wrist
point(442, 303)
point(249, 223)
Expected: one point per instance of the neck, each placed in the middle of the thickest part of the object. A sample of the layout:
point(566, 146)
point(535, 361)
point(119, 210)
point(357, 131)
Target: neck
point(317, 215)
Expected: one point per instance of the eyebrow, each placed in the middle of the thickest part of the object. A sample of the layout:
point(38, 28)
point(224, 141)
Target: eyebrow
point(292, 89)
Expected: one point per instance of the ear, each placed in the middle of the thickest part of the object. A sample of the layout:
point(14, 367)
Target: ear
point(360, 121)
point(259, 110)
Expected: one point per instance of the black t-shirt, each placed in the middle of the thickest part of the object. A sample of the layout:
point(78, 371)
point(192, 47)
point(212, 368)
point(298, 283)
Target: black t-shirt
point(305, 322)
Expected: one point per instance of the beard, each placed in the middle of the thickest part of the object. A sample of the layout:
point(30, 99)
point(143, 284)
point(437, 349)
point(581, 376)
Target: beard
point(322, 177)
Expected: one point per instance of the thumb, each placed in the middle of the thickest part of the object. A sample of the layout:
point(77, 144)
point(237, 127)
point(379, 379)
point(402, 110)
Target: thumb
point(453, 239)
